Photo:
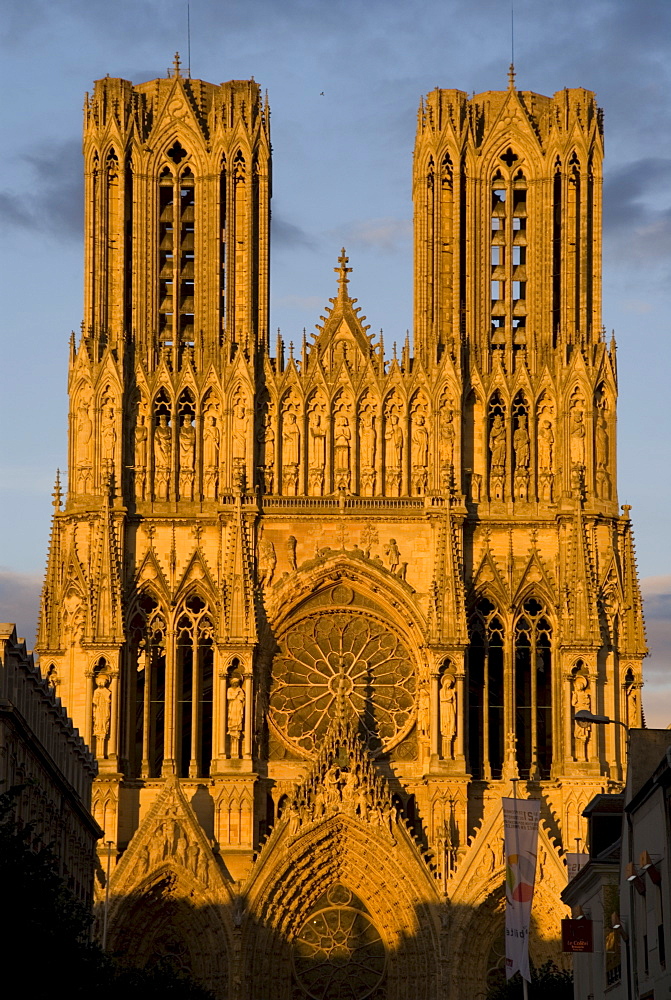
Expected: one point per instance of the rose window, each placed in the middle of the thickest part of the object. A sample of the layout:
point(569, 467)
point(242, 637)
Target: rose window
point(339, 955)
point(340, 659)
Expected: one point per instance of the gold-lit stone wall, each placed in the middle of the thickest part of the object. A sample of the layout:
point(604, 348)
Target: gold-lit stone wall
point(316, 610)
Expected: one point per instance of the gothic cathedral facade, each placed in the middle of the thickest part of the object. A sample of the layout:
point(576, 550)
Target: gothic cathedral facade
point(317, 611)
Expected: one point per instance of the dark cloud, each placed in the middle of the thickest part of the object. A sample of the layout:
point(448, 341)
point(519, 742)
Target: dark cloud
point(286, 234)
point(19, 602)
point(54, 202)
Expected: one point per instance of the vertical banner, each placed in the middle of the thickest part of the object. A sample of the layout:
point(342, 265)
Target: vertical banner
point(520, 825)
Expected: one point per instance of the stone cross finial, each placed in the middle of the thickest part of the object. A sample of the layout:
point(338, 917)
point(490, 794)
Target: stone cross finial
point(342, 271)
point(177, 64)
point(511, 77)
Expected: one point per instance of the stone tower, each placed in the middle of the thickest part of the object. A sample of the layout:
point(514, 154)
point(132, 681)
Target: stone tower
point(315, 611)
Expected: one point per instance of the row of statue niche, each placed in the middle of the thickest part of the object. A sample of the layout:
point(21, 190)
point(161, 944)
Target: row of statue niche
point(345, 443)
point(447, 706)
point(84, 440)
point(186, 460)
point(341, 789)
point(545, 446)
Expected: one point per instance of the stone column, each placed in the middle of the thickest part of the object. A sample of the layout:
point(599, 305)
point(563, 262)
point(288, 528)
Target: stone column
point(170, 714)
point(436, 750)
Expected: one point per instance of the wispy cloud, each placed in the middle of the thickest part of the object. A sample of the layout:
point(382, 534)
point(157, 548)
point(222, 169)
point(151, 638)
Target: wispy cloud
point(387, 234)
point(19, 602)
point(54, 203)
point(657, 668)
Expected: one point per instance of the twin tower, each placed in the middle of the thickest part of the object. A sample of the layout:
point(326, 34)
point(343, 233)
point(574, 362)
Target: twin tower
point(316, 610)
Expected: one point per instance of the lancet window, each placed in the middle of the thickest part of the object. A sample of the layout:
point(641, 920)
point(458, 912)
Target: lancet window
point(194, 680)
point(176, 242)
point(486, 724)
point(508, 257)
point(533, 690)
point(145, 692)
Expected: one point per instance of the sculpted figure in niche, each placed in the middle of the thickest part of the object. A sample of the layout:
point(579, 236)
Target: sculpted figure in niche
point(423, 711)
point(342, 436)
point(521, 443)
point(581, 699)
point(291, 439)
point(448, 714)
point(211, 452)
point(447, 434)
point(102, 698)
point(577, 437)
point(240, 422)
point(162, 456)
point(317, 442)
point(393, 555)
point(140, 457)
point(108, 435)
point(394, 438)
point(631, 699)
point(368, 439)
point(291, 551)
point(235, 698)
point(266, 445)
point(187, 451)
point(546, 440)
point(421, 441)
point(497, 445)
point(84, 431)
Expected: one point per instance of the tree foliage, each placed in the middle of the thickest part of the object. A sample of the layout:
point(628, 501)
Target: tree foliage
point(47, 946)
point(547, 983)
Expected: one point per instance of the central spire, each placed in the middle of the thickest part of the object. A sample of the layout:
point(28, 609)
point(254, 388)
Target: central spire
point(342, 271)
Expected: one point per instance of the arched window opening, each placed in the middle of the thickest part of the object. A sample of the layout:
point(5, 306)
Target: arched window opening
point(187, 224)
point(146, 689)
point(194, 686)
point(533, 690)
point(486, 692)
point(223, 261)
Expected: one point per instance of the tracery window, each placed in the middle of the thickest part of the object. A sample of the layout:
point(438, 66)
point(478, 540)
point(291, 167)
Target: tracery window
point(146, 688)
point(508, 256)
point(533, 690)
point(486, 692)
point(194, 680)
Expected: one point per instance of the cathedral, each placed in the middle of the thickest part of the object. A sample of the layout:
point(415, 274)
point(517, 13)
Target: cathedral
point(317, 611)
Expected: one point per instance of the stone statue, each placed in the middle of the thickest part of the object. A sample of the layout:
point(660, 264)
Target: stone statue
point(141, 436)
point(84, 432)
point(368, 439)
point(187, 451)
point(108, 435)
point(447, 434)
point(497, 445)
point(577, 437)
point(521, 443)
point(420, 442)
point(602, 443)
point(102, 700)
point(631, 700)
point(211, 456)
point(266, 563)
point(448, 713)
point(423, 711)
point(318, 442)
point(162, 455)
point(546, 440)
point(291, 552)
point(240, 421)
point(342, 436)
point(581, 700)
point(393, 555)
point(291, 439)
point(235, 698)
point(394, 438)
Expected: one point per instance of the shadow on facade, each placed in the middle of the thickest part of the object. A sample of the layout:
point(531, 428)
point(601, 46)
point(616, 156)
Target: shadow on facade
point(318, 938)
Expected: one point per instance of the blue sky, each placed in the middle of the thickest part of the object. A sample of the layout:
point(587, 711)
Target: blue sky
point(344, 79)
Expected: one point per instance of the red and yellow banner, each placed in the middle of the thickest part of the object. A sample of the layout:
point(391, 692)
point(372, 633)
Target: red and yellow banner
point(520, 825)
